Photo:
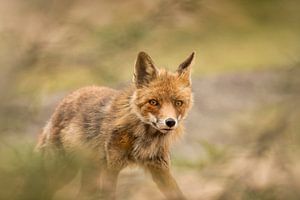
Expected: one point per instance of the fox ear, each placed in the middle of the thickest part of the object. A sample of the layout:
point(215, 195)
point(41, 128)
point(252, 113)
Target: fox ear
point(184, 69)
point(144, 70)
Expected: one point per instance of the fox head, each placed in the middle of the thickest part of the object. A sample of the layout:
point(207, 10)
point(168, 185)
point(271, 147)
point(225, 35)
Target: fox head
point(162, 98)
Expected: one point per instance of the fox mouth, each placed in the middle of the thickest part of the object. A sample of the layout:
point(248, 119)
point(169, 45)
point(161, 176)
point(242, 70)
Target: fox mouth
point(163, 130)
point(166, 129)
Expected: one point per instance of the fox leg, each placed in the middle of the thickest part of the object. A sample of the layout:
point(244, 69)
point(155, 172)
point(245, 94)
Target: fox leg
point(65, 172)
point(90, 182)
point(55, 171)
point(115, 162)
point(166, 183)
point(109, 178)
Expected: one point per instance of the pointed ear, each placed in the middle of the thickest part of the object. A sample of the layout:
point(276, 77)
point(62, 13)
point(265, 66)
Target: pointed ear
point(184, 69)
point(144, 70)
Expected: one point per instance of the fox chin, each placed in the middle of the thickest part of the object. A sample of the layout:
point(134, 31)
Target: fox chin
point(100, 131)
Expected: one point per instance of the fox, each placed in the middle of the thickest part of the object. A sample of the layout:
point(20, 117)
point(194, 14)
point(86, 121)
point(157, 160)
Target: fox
point(104, 130)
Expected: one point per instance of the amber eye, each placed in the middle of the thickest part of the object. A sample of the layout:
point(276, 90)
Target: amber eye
point(178, 103)
point(153, 102)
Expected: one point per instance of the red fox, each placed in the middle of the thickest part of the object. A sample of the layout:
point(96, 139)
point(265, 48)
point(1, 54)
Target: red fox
point(109, 130)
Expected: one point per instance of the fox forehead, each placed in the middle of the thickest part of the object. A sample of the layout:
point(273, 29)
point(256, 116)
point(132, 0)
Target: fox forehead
point(166, 86)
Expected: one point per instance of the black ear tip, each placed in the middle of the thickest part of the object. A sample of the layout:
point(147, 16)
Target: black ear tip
point(142, 54)
point(193, 54)
point(191, 57)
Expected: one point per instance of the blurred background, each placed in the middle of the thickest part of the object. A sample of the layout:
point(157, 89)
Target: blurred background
point(242, 136)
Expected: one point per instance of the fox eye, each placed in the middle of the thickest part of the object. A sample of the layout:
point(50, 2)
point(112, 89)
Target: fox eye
point(178, 103)
point(153, 102)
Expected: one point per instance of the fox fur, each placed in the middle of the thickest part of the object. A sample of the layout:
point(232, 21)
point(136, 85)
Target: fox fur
point(111, 129)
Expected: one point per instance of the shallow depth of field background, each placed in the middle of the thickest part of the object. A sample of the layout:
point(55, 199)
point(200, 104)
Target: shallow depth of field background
point(242, 136)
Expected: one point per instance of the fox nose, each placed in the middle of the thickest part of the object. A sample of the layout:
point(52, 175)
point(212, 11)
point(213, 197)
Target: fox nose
point(170, 122)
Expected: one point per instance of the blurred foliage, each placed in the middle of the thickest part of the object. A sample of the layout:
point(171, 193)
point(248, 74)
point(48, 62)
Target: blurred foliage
point(50, 47)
